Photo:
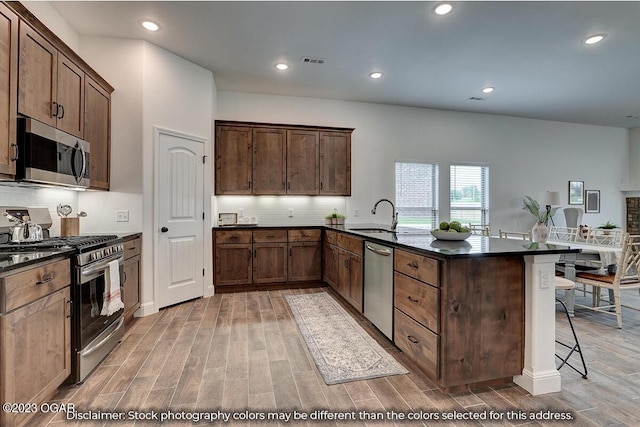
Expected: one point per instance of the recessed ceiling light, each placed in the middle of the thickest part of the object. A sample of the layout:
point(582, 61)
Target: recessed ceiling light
point(594, 39)
point(442, 8)
point(375, 75)
point(488, 89)
point(282, 66)
point(149, 25)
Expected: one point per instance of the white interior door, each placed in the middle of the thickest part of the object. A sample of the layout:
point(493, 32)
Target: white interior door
point(179, 218)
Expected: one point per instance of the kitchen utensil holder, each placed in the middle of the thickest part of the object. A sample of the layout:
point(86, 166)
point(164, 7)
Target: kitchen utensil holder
point(69, 226)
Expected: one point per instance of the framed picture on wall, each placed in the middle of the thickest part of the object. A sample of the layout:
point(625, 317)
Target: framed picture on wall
point(576, 192)
point(592, 201)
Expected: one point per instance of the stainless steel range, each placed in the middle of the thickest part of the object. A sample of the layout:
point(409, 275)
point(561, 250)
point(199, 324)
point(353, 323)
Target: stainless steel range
point(93, 335)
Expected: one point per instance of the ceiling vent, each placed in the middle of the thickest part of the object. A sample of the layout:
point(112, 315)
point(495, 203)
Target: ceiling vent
point(311, 60)
point(477, 98)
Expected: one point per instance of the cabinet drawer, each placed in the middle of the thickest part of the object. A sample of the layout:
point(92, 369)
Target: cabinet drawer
point(330, 237)
point(418, 300)
point(266, 236)
point(419, 343)
point(233, 236)
point(351, 244)
point(22, 288)
point(418, 267)
point(132, 247)
point(308, 235)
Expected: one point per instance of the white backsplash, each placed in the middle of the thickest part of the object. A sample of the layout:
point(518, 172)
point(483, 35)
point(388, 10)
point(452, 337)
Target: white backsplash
point(40, 197)
point(274, 210)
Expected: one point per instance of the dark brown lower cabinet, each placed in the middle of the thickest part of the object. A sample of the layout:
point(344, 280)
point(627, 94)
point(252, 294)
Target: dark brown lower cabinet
point(267, 256)
point(233, 264)
point(304, 261)
point(269, 262)
point(343, 266)
point(461, 320)
point(330, 266)
point(350, 268)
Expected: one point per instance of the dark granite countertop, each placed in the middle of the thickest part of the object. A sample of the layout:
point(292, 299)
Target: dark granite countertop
point(12, 260)
point(421, 240)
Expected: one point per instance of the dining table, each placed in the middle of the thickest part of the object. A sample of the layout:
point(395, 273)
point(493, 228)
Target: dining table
point(603, 258)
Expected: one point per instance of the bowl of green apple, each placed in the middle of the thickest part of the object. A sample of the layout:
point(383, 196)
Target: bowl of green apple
point(451, 231)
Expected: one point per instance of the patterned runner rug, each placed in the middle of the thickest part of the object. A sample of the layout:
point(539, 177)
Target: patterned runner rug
point(342, 350)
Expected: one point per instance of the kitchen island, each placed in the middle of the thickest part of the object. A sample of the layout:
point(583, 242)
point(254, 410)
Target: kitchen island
point(491, 309)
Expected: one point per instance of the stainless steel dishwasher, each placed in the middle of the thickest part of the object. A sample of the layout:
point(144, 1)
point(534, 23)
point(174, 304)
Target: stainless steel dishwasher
point(378, 286)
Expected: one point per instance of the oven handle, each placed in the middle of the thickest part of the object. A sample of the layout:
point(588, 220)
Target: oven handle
point(101, 267)
point(114, 326)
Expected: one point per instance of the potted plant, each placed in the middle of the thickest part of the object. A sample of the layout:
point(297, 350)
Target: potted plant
point(607, 226)
point(539, 232)
point(334, 219)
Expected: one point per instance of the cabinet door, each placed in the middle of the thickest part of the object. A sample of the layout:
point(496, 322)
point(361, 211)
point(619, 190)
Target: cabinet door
point(233, 264)
point(36, 352)
point(37, 81)
point(335, 163)
point(350, 278)
point(330, 266)
point(269, 262)
point(305, 261)
point(269, 161)
point(303, 158)
point(8, 89)
point(131, 286)
point(97, 131)
point(233, 160)
point(70, 97)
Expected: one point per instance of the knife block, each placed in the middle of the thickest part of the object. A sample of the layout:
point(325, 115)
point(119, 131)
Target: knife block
point(69, 226)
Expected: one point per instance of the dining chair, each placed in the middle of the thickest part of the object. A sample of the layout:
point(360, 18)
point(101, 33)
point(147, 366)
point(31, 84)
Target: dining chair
point(563, 234)
point(625, 277)
point(598, 236)
point(480, 229)
point(524, 235)
point(572, 216)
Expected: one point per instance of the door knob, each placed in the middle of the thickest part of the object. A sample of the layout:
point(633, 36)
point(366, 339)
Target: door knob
point(164, 229)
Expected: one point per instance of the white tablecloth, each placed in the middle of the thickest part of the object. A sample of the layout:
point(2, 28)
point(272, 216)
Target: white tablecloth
point(608, 255)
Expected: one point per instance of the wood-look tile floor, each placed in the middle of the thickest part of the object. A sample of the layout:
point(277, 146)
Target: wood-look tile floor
point(243, 351)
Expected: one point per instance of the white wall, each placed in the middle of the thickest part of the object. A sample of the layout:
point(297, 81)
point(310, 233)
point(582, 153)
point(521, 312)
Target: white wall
point(525, 156)
point(633, 178)
point(120, 62)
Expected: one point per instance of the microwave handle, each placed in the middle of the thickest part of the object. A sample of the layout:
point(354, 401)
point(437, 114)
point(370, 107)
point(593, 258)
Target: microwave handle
point(84, 163)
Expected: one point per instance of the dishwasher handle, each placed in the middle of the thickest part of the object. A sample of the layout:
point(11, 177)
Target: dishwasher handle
point(383, 252)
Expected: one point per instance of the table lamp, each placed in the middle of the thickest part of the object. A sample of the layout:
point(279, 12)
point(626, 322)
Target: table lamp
point(551, 198)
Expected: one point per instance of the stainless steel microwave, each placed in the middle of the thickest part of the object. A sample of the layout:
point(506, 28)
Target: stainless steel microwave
point(47, 155)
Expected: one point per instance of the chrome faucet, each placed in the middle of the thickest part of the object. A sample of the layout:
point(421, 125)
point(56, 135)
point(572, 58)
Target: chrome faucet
point(394, 214)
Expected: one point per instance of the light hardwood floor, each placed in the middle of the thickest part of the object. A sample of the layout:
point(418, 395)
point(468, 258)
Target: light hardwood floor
point(234, 352)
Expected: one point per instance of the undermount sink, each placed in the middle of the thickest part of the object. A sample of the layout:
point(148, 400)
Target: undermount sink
point(371, 230)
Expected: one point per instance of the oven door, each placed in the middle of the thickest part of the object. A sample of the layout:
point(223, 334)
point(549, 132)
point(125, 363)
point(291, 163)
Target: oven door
point(91, 287)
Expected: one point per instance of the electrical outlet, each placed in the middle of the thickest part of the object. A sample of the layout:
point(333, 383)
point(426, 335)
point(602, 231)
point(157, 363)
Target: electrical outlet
point(544, 283)
point(122, 216)
point(290, 212)
point(356, 212)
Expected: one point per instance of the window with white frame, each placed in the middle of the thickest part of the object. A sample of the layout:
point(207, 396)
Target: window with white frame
point(469, 194)
point(417, 194)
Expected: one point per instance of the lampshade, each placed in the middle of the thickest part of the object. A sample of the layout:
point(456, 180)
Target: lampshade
point(552, 198)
